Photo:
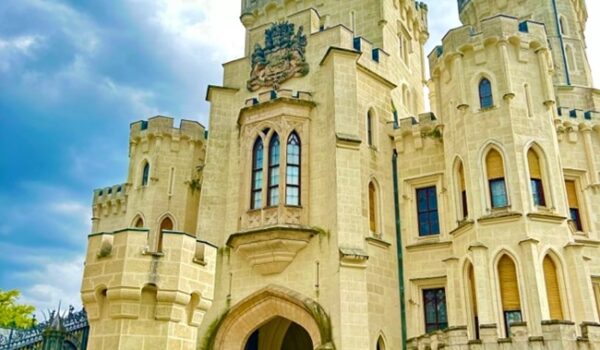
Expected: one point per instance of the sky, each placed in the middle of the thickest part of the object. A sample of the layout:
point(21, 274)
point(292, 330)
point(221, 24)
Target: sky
point(73, 75)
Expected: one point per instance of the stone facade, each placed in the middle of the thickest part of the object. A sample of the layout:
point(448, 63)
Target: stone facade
point(329, 204)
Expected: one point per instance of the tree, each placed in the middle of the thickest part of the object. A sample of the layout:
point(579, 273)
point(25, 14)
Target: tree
point(13, 315)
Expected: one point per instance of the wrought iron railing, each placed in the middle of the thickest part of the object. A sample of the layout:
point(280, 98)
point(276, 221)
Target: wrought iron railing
point(73, 321)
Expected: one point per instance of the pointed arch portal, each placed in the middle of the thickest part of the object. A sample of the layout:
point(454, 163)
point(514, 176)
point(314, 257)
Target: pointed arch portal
point(274, 318)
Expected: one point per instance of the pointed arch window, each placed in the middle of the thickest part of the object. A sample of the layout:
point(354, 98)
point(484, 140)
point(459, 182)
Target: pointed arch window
point(552, 289)
point(145, 174)
point(138, 222)
point(372, 208)
point(496, 181)
point(257, 174)
point(473, 300)
point(370, 128)
point(274, 160)
point(165, 225)
point(486, 98)
point(535, 174)
point(380, 344)
point(462, 188)
point(292, 172)
point(509, 292)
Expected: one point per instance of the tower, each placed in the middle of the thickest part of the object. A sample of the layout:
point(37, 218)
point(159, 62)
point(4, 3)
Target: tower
point(147, 280)
point(495, 168)
point(298, 185)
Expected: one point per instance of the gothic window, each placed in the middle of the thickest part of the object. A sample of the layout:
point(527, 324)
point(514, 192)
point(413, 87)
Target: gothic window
point(472, 299)
point(535, 174)
point(552, 289)
point(380, 344)
point(436, 317)
point(509, 292)
point(273, 194)
point(372, 208)
point(292, 190)
point(370, 128)
point(486, 98)
point(138, 222)
point(496, 181)
point(573, 200)
point(145, 174)
point(427, 211)
point(165, 225)
point(563, 25)
point(257, 174)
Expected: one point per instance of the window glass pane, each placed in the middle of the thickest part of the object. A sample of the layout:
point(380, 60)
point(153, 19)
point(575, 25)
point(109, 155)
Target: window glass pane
point(274, 196)
point(292, 195)
point(258, 179)
point(293, 177)
point(498, 191)
point(434, 303)
point(274, 179)
point(537, 192)
point(422, 199)
point(576, 218)
point(432, 201)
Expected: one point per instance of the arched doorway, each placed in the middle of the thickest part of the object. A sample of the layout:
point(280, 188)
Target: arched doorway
point(274, 318)
point(279, 334)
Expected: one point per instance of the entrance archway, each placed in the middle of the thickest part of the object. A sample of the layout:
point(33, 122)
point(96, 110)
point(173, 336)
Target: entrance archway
point(274, 318)
point(279, 334)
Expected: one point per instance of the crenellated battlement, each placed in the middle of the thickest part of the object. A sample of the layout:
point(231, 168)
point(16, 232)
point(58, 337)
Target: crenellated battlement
point(161, 126)
point(521, 34)
point(416, 130)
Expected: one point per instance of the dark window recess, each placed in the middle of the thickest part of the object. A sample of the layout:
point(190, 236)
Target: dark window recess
point(357, 44)
point(144, 125)
point(486, 98)
point(498, 193)
point(511, 317)
point(436, 317)
point(524, 27)
point(427, 211)
point(375, 55)
point(537, 191)
point(465, 206)
point(145, 174)
point(574, 212)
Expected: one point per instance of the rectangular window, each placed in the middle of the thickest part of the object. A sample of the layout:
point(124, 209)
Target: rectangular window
point(537, 191)
point(436, 317)
point(427, 211)
point(511, 317)
point(596, 284)
point(498, 193)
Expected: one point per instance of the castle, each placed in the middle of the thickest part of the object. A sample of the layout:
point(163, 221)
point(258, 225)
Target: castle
point(325, 209)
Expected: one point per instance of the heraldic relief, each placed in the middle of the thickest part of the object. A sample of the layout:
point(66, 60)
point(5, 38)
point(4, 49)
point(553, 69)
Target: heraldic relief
point(281, 59)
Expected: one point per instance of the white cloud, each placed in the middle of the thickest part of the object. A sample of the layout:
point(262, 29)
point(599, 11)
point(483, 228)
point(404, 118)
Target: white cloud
point(209, 27)
point(51, 280)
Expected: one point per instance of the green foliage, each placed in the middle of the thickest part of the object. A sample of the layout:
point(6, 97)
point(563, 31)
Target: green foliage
point(13, 315)
point(195, 185)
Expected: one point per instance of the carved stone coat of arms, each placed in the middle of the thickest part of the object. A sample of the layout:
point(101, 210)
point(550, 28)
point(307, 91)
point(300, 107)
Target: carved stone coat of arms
point(281, 59)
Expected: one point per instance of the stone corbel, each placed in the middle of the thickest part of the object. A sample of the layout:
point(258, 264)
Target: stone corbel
point(353, 257)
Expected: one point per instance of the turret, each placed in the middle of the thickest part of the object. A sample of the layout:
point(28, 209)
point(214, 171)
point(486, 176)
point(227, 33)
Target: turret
point(565, 22)
point(146, 274)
